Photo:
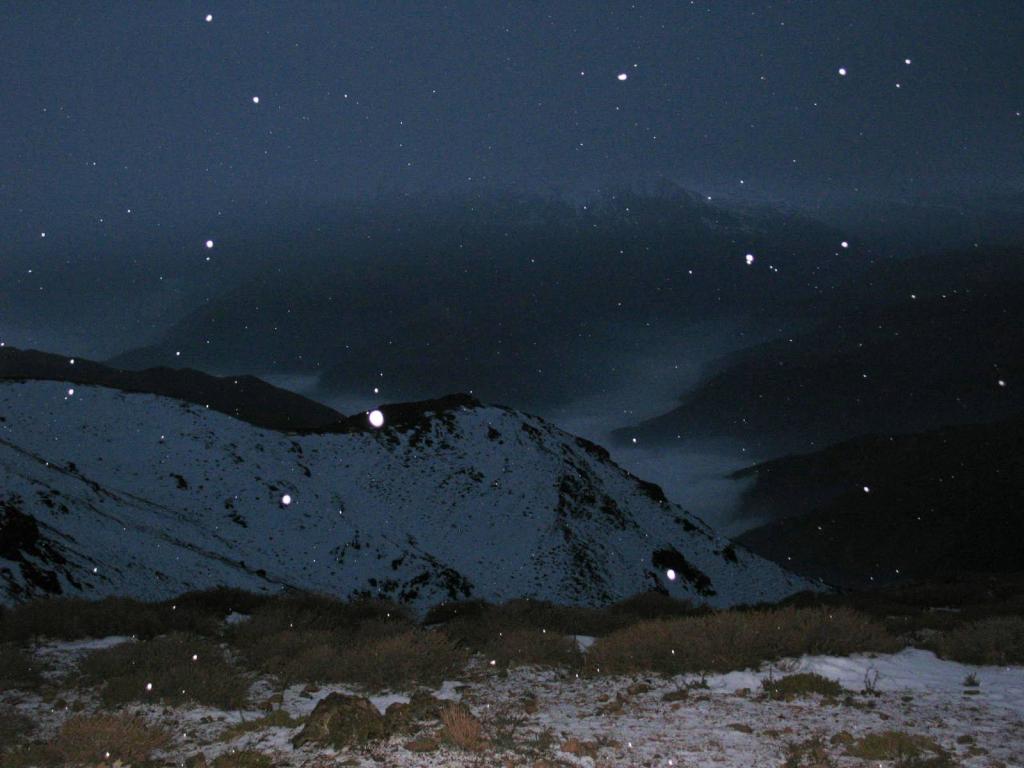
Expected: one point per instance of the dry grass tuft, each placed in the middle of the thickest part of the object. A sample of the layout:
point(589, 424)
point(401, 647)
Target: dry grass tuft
point(66, 618)
point(95, 739)
point(801, 684)
point(893, 745)
point(726, 641)
point(462, 728)
point(997, 641)
point(172, 669)
point(279, 718)
point(376, 655)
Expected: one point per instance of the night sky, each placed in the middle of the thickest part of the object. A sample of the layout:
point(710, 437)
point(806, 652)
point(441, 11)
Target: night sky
point(199, 180)
point(155, 155)
point(149, 107)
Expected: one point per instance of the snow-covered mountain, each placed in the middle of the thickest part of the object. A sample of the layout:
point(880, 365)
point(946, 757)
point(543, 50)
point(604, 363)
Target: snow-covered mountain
point(104, 492)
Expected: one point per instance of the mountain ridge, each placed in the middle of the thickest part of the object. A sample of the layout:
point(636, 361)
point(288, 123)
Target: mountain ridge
point(126, 493)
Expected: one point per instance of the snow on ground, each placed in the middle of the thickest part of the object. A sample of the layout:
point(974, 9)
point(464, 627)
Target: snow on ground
point(636, 720)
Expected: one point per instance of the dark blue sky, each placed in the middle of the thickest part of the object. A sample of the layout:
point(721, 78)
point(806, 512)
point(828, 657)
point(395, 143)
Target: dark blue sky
point(111, 106)
point(129, 134)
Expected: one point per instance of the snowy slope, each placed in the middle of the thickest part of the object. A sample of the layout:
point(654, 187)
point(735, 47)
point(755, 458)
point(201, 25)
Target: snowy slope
point(104, 492)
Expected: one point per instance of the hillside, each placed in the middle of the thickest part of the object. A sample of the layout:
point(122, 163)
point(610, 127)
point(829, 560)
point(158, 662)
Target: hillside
point(919, 344)
point(879, 509)
point(244, 397)
point(107, 492)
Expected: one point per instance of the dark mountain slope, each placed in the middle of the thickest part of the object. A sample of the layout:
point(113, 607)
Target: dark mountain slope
point(514, 300)
point(906, 348)
point(937, 503)
point(244, 397)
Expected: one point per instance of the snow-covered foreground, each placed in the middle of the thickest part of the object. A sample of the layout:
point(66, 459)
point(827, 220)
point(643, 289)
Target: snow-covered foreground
point(542, 717)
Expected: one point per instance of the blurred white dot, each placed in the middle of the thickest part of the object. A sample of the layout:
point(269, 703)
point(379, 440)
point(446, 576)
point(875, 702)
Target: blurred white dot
point(71, 392)
point(906, 61)
point(845, 244)
point(622, 76)
point(42, 234)
point(209, 17)
point(749, 258)
point(376, 419)
point(671, 574)
point(209, 243)
point(1001, 382)
point(842, 71)
point(149, 686)
point(286, 499)
point(195, 657)
point(255, 99)
point(867, 489)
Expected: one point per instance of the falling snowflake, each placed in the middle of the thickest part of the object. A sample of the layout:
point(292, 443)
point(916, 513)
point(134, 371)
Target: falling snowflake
point(749, 259)
point(255, 99)
point(286, 499)
point(622, 77)
point(671, 574)
point(842, 71)
point(209, 18)
point(209, 243)
point(376, 419)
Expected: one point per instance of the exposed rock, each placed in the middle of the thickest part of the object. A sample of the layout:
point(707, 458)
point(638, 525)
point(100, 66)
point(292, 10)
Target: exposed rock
point(341, 721)
point(421, 706)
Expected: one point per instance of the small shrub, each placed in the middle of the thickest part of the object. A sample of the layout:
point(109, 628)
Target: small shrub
point(653, 605)
point(892, 745)
point(532, 646)
point(317, 613)
point(279, 718)
point(219, 601)
point(731, 640)
point(971, 681)
point(462, 728)
point(74, 618)
point(998, 641)
point(96, 739)
point(802, 684)
point(442, 613)
point(172, 669)
point(413, 658)
point(375, 656)
point(18, 669)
